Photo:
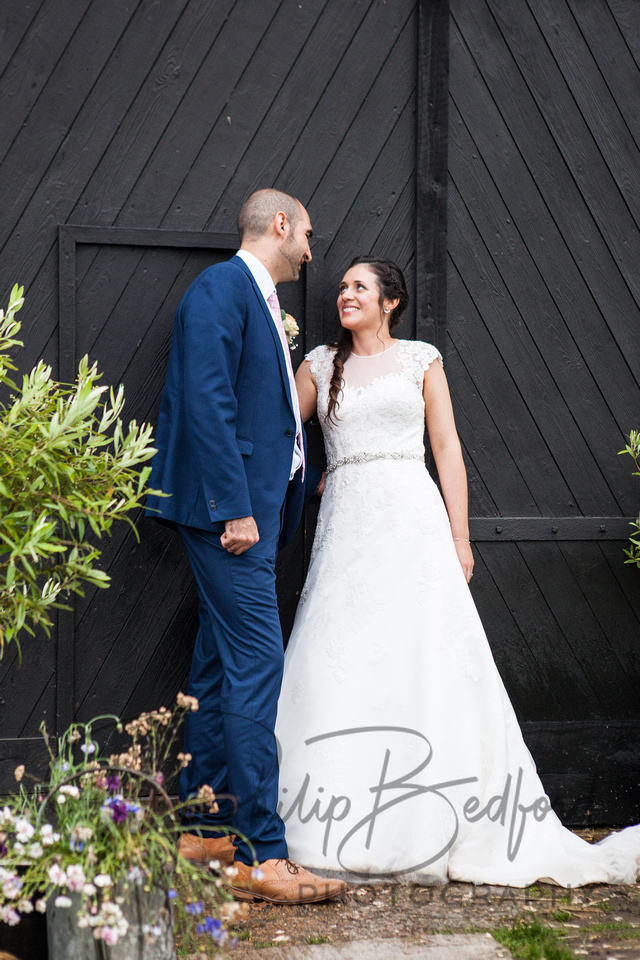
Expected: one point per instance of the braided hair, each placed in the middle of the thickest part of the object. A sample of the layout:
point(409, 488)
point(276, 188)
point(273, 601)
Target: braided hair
point(391, 286)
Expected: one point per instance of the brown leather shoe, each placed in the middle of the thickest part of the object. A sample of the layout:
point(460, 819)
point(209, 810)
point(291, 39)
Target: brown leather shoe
point(283, 881)
point(202, 850)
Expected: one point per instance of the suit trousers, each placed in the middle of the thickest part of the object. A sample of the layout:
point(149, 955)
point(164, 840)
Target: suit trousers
point(236, 674)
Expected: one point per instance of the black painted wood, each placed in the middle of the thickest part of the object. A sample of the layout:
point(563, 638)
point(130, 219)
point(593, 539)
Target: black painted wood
point(132, 134)
point(545, 369)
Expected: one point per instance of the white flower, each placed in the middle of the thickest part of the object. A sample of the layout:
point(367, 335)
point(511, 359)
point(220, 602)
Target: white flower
point(88, 747)
point(41, 906)
point(257, 874)
point(61, 799)
point(75, 877)
point(57, 875)
point(89, 890)
point(109, 935)
point(214, 864)
point(70, 791)
point(24, 830)
point(24, 906)
point(231, 871)
point(83, 922)
point(35, 851)
point(103, 880)
point(7, 818)
point(10, 916)
point(63, 901)
point(18, 848)
point(47, 835)
point(11, 886)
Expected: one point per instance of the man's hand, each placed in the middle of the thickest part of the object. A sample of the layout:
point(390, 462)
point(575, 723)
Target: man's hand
point(320, 487)
point(239, 535)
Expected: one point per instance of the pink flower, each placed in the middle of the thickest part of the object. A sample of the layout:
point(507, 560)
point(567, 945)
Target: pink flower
point(57, 875)
point(75, 877)
point(109, 935)
point(10, 916)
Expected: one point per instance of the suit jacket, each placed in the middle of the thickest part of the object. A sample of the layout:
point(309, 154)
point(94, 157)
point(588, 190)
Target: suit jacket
point(226, 428)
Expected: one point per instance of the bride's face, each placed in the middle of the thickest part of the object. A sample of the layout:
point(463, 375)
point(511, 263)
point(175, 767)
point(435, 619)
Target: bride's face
point(359, 299)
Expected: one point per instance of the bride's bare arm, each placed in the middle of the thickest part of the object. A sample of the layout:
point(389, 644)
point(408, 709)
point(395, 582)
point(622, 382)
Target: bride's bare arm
point(307, 392)
point(447, 454)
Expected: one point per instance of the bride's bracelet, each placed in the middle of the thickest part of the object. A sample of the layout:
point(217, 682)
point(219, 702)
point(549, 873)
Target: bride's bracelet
point(463, 539)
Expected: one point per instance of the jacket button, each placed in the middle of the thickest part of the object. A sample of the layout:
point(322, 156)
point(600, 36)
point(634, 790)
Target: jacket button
point(212, 505)
point(288, 432)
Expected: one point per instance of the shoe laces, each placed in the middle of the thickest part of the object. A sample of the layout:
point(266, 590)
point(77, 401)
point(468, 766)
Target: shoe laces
point(291, 866)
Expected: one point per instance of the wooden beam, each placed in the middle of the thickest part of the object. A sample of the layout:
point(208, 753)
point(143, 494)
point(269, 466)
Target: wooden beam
point(431, 171)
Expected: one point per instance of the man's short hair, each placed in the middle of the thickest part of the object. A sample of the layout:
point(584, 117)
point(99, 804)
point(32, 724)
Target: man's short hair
point(257, 212)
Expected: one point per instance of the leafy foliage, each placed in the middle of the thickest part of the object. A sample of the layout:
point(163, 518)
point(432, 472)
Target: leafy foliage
point(67, 467)
point(633, 449)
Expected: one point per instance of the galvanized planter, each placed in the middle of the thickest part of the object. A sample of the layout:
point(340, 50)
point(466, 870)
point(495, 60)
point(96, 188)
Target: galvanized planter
point(67, 941)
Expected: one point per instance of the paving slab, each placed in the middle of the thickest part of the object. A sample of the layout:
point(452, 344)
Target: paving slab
point(455, 946)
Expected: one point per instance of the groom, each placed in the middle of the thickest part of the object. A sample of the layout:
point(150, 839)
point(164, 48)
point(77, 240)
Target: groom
point(231, 454)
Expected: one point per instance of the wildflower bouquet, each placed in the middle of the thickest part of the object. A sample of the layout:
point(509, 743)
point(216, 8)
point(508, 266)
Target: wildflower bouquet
point(100, 834)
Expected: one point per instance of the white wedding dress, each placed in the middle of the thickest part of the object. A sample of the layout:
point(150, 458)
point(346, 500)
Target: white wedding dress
point(400, 750)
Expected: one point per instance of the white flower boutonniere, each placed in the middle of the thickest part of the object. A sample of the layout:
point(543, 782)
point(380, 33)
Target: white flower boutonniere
point(291, 329)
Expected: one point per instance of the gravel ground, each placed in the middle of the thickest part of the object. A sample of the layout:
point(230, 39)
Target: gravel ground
point(600, 922)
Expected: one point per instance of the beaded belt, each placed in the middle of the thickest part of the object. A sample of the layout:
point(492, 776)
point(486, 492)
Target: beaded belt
point(367, 457)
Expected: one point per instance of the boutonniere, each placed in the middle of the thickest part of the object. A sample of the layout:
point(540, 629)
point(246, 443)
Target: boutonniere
point(291, 329)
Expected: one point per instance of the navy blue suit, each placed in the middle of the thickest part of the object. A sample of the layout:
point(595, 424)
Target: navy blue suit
point(225, 440)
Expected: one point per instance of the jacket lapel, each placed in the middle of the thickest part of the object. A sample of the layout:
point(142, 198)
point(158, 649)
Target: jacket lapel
point(266, 312)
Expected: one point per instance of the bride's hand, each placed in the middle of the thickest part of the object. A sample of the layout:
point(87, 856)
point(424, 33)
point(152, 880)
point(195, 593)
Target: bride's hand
point(465, 556)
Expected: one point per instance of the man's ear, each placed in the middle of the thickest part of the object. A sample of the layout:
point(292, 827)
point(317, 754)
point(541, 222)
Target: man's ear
point(281, 224)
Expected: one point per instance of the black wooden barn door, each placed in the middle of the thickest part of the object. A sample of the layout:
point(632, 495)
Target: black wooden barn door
point(131, 134)
point(543, 353)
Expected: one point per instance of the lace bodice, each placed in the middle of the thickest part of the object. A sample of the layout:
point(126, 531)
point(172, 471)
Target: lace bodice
point(381, 410)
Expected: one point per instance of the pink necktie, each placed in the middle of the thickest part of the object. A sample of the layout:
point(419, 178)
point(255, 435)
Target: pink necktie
point(276, 312)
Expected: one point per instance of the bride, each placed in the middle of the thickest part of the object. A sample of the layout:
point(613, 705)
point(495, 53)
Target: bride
point(400, 750)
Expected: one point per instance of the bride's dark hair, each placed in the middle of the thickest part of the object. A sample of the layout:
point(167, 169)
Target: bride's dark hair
point(391, 286)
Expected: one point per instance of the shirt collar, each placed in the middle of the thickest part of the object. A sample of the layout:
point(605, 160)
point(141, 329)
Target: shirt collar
point(260, 273)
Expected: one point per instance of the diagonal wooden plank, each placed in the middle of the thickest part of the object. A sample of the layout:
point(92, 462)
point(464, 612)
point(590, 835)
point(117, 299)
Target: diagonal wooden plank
point(234, 134)
point(13, 29)
point(181, 76)
point(496, 484)
point(574, 342)
point(572, 135)
point(86, 137)
point(619, 70)
point(521, 353)
point(601, 110)
point(492, 65)
point(324, 50)
point(625, 13)
point(26, 69)
point(608, 604)
point(562, 671)
point(612, 687)
point(57, 108)
point(335, 112)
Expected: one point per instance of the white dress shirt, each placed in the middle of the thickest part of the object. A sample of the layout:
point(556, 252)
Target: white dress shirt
point(266, 287)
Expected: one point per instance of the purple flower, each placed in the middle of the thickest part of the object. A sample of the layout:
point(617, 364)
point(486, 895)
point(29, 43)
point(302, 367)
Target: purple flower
point(159, 777)
point(113, 781)
point(213, 926)
point(3, 850)
point(194, 908)
point(119, 811)
point(172, 894)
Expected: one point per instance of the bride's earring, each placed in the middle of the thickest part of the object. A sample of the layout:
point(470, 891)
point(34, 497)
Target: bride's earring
point(386, 310)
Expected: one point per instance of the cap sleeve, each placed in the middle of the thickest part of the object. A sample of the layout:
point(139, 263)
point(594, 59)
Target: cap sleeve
point(321, 360)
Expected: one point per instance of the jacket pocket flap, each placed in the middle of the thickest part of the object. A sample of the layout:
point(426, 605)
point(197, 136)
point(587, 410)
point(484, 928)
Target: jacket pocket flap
point(245, 446)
